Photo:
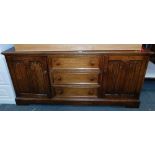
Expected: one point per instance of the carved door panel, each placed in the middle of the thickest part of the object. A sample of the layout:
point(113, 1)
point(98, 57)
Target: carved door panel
point(124, 75)
point(29, 75)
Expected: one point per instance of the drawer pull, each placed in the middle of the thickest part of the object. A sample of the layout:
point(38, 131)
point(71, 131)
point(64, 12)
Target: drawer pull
point(92, 79)
point(58, 63)
point(91, 92)
point(60, 91)
point(92, 63)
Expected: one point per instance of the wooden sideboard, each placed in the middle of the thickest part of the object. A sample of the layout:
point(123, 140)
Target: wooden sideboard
point(78, 74)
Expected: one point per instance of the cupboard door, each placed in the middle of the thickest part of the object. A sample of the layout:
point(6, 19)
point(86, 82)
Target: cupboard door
point(124, 75)
point(29, 75)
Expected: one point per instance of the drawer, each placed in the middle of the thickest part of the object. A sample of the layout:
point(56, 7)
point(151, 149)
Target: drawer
point(6, 92)
point(75, 92)
point(74, 78)
point(74, 62)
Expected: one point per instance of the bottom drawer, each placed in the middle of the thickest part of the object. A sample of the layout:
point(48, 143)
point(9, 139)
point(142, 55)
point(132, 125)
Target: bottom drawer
point(6, 92)
point(75, 92)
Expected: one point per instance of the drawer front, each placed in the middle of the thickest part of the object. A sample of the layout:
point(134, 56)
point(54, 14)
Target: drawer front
point(75, 78)
point(75, 62)
point(75, 92)
point(6, 92)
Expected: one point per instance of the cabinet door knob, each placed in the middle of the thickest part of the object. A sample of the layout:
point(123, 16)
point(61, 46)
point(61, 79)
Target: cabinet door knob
point(45, 72)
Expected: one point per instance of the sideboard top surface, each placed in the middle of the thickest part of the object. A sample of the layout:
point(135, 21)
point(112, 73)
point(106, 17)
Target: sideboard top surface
point(75, 47)
point(45, 49)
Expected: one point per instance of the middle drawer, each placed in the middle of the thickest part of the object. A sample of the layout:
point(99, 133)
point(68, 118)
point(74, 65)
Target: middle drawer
point(74, 78)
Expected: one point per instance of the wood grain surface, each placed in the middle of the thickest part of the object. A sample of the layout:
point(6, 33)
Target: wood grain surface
point(103, 78)
point(73, 47)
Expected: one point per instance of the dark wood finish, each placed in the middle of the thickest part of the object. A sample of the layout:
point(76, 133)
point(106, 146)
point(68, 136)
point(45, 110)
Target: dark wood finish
point(78, 77)
point(75, 92)
point(132, 103)
point(124, 75)
point(29, 75)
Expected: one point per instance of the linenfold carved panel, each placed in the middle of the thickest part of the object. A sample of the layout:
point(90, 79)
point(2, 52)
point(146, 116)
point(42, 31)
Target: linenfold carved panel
point(30, 76)
point(123, 77)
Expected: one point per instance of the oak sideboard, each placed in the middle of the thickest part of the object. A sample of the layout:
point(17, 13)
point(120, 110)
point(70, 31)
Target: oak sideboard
point(78, 74)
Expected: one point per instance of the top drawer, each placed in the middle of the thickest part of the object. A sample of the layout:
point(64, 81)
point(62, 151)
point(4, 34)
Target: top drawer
point(62, 62)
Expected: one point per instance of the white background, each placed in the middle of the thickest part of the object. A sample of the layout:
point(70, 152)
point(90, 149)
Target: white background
point(77, 21)
point(92, 133)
